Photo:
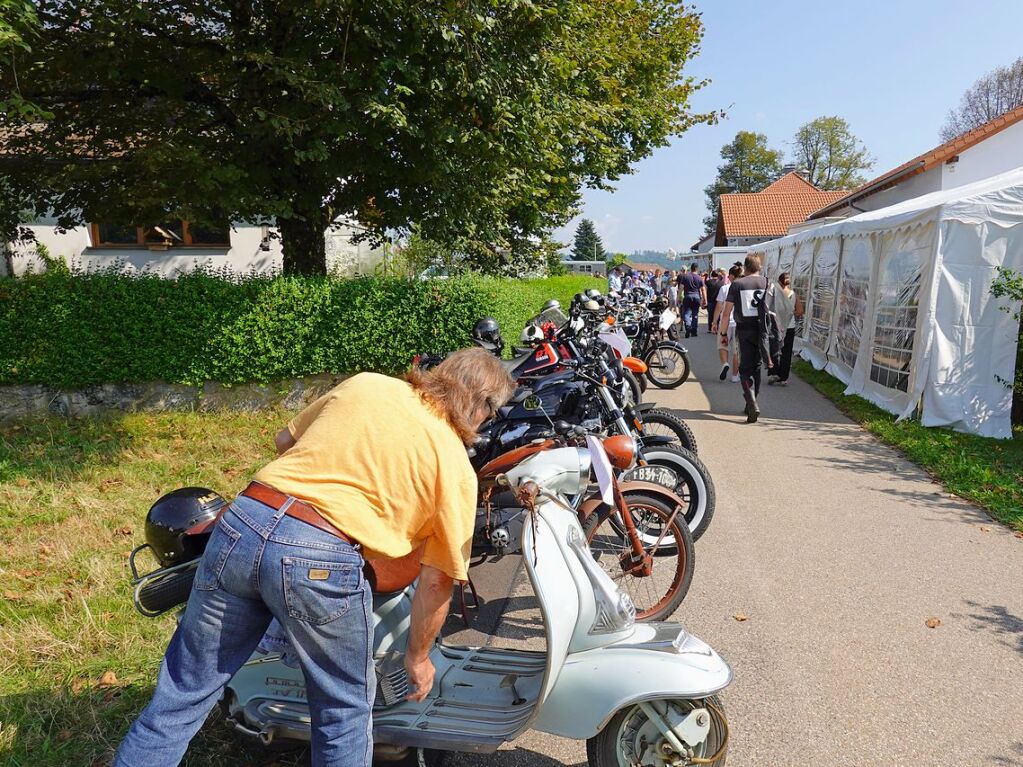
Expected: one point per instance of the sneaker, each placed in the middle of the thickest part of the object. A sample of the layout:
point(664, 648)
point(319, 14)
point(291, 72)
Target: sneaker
point(779, 382)
point(752, 411)
point(735, 378)
point(724, 373)
point(772, 380)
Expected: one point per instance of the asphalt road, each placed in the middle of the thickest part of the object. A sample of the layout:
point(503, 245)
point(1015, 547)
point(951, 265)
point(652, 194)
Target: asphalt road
point(837, 551)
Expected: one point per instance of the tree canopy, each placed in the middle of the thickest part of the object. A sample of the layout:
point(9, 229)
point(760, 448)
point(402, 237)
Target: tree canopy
point(477, 121)
point(991, 96)
point(831, 155)
point(749, 166)
point(587, 245)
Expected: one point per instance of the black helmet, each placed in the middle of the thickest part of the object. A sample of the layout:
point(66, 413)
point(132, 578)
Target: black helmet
point(552, 304)
point(487, 333)
point(579, 299)
point(175, 513)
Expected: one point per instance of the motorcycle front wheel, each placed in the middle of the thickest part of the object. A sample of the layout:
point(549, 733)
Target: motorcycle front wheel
point(630, 738)
point(658, 423)
point(685, 475)
point(666, 539)
point(667, 365)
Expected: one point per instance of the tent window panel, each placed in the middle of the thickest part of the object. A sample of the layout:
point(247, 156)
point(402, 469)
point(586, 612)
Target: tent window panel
point(851, 311)
point(823, 290)
point(898, 293)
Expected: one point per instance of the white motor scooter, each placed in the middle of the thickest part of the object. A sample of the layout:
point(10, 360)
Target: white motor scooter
point(639, 694)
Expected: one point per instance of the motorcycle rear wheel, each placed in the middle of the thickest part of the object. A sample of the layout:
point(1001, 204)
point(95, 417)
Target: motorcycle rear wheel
point(667, 365)
point(659, 422)
point(668, 540)
point(630, 731)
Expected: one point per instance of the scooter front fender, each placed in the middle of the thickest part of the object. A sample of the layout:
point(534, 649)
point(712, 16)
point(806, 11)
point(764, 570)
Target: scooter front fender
point(596, 684)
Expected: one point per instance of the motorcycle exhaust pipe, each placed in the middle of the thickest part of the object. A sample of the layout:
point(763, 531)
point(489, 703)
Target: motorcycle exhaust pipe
point(164, 589)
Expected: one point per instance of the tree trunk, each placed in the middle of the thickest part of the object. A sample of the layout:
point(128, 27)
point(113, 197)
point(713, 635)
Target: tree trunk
point(303, 244)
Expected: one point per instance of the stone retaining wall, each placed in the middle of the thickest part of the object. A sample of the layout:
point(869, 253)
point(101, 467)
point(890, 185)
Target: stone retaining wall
point(26, 401)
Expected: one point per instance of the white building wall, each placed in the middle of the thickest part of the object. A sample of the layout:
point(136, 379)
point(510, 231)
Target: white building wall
point(251, 252)
point(996, 154)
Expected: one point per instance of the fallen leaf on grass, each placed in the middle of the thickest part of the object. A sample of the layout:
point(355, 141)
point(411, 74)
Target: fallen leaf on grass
point(107, 679)
point(1018, 533)
point(109, 483)
point(741, 617)
point(933, 623)
point(22, 482)
point(28, 575)
point(123, 531)
point(45, 549)
point(78, 685)
point(12, 597)
point(63, 736)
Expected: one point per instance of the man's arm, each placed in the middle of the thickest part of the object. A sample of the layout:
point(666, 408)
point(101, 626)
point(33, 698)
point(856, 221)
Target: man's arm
point(284, 441)
point(726, 314)
point(430, 607)
point(719, 309)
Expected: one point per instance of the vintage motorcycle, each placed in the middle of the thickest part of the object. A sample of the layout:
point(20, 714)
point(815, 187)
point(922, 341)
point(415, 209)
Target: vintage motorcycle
point(638, 694)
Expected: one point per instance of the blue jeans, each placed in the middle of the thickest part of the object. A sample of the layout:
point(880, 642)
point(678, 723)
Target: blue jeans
point(691, 314)
point(260, 564)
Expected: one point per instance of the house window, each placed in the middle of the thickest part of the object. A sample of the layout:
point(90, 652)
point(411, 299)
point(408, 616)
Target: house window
point(169, 234)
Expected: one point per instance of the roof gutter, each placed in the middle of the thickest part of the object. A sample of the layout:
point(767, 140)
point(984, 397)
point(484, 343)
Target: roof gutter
point(881, 183)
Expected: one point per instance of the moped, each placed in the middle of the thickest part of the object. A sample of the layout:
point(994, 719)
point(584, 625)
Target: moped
point(637, 693)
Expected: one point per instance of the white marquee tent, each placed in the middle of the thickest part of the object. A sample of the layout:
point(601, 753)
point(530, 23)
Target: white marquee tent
point(899, 306)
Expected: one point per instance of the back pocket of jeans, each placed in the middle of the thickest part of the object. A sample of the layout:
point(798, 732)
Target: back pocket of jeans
point(319, 592)
point(218, 549)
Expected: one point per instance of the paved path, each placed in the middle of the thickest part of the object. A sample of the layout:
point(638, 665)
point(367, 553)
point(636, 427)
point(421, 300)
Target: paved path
point(838, 550)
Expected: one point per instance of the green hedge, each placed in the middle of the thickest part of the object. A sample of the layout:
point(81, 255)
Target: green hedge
point(74, 331)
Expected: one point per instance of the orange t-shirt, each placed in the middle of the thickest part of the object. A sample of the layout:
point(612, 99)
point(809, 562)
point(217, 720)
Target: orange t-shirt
point(384, 468)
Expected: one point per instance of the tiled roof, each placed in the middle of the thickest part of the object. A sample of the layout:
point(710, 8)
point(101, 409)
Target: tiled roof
point(926, 161)
point(790, 183)
point(767, 213)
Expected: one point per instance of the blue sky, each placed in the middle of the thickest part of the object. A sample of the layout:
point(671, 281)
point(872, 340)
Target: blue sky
point(891, 69)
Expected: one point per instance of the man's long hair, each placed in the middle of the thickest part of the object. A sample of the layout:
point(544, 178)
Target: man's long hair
point(465, 382)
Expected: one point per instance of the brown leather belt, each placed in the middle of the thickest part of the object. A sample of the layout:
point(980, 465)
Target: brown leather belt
point(298, 509)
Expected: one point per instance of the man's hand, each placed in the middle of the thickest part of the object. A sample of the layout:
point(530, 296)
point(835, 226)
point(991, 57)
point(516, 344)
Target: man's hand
point(429, 609)
point(420, 676)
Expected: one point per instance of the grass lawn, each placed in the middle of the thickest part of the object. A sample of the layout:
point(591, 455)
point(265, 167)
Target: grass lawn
point(987, 471)
point(77, 662)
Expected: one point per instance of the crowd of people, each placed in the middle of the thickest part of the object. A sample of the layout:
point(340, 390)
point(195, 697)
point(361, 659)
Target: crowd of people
point(753, 320)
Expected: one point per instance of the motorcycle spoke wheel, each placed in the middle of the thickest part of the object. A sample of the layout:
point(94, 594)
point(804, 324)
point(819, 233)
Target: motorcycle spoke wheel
point(667, 366)
point(667, 540)
point(661, 423)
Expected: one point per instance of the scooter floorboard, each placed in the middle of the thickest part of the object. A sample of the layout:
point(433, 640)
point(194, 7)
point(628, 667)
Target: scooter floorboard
point(483, 698)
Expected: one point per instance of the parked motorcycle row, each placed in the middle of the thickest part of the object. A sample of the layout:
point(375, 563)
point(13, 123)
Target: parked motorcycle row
point(602, 496)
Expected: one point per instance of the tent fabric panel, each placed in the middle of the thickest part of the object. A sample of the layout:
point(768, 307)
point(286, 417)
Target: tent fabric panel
point(974, 337)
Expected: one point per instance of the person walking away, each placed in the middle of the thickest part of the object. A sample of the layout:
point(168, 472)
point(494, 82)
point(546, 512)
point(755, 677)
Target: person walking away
point(789, 308)
point(745, 297)
point(728, 350)
point(694, 295)
point(376, 467)
point(714, 282)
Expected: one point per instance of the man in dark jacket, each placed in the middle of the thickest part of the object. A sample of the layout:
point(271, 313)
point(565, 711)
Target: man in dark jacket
point(746, 296)
point(714, 283)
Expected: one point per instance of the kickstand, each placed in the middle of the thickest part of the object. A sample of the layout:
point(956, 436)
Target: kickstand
point(474, 605)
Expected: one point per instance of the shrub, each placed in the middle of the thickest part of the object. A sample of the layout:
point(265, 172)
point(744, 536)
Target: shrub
point(73, 331)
